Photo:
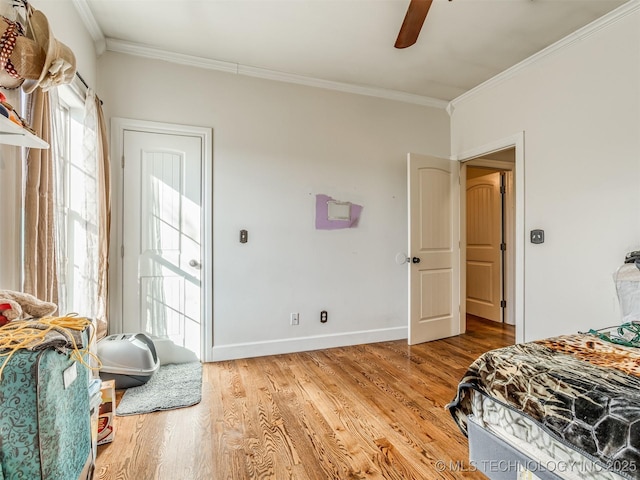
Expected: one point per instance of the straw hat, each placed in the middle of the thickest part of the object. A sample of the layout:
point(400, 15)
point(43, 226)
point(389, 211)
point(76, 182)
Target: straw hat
point(21, 56)
point(59, 65)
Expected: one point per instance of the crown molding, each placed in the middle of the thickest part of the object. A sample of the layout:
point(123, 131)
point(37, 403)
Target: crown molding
point(130, 48)
point(342, 87)
point(140, 50)
point(593, 27)
point(91, 25)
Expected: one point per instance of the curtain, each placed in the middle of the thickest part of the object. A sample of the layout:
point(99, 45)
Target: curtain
point(96, 212)
point(40, 277)
point(103, 192)
point(68, 212)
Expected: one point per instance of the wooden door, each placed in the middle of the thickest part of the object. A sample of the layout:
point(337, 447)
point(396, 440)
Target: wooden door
point(434, 248)
point(484, 237)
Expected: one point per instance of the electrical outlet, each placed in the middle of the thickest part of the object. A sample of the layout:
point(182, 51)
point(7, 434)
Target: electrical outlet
point(295, 319)
point(324, 316)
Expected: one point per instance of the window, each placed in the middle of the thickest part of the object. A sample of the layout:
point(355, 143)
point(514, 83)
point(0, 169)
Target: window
point(76, 200)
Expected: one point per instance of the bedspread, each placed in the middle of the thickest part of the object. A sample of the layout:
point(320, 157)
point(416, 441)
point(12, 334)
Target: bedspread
point(580, 389)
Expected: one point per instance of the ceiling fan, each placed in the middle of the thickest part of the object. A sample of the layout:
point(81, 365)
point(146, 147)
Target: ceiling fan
point(412, 24)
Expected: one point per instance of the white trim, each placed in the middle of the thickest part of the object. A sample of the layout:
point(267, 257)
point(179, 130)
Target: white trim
point(343, 87)
point(602, 22)
point(138, 50)
point(118, 127)
point(89, 21)
point(130, 48)
point(462, 250)
point(292, 345)
point(516, 141)
point(489, 163)
point(510, 239)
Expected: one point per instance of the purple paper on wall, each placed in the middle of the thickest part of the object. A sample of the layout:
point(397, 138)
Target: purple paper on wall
point(322, 214)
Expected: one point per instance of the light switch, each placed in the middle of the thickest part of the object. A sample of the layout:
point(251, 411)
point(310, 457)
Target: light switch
point(537, 236)
point(244, 236)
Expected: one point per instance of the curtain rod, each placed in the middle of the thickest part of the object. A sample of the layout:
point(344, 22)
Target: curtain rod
point(85, 83)
point(82, 79)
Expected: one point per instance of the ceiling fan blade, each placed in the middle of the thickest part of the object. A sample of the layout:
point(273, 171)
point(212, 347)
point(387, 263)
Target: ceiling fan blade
point(412, 24)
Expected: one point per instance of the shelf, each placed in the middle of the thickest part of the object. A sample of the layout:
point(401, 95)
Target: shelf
point(13, 134)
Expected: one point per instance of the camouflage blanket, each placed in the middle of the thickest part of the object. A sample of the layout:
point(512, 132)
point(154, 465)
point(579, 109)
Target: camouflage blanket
point(582, 390)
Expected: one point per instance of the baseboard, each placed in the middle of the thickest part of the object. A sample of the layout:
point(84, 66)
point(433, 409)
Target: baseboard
point(304, 344)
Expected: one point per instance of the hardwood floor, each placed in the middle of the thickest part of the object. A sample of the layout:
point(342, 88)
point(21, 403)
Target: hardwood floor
point(367, 411)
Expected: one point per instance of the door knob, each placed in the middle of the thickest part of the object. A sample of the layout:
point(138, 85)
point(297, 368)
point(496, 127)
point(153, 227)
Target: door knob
point(415, 260)
point(195, 264)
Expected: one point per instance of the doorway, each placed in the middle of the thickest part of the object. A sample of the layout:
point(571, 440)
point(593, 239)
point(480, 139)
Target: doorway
point(164, 271)
point(504, 154)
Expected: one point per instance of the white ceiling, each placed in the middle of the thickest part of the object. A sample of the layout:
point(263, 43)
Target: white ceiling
point(462, 44)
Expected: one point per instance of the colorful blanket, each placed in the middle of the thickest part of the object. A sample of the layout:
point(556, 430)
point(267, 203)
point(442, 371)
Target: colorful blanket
point(583, 390)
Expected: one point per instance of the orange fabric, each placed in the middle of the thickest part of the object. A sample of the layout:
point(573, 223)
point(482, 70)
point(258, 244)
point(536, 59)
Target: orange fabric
point(104, 221)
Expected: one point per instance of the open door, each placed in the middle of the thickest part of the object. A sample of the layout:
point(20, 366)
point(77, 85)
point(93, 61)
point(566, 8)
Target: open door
point(434, 248)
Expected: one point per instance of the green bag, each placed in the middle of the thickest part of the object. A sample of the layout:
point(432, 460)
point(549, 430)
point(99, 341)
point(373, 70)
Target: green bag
point(45, 429)
point(628, 334)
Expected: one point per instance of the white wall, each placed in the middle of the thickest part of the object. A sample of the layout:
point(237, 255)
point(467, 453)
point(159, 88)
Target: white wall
point(68, 28)
point(10, 218)
point(276, 146)
point(580, 111)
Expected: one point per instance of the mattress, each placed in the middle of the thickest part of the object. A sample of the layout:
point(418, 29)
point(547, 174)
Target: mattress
point(582, 391)
point(544, 453)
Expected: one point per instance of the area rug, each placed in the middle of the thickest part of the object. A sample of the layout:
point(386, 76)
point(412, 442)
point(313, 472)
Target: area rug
point(172, 386)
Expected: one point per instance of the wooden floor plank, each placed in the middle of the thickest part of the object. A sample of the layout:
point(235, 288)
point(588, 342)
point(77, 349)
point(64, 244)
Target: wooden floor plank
point(398, 404)
point(371, 411)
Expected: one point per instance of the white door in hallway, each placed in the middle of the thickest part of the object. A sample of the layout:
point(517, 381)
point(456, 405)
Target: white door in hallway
point(434, 248)
point(162, 236)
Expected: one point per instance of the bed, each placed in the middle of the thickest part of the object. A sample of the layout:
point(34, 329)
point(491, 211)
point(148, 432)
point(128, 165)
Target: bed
point(566, 407)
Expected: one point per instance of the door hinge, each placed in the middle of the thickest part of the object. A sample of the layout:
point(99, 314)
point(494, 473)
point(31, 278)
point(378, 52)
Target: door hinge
point(122, 161)
point(503, 247)
point(503, 189)
point(503, 304)
point(122, 251)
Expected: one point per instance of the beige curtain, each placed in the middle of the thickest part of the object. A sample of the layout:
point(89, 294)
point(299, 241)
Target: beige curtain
point(40, 277)
point(104, 219)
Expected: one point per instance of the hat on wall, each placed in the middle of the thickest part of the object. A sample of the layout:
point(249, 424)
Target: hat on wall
point(59, 65)
point(20, 57)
